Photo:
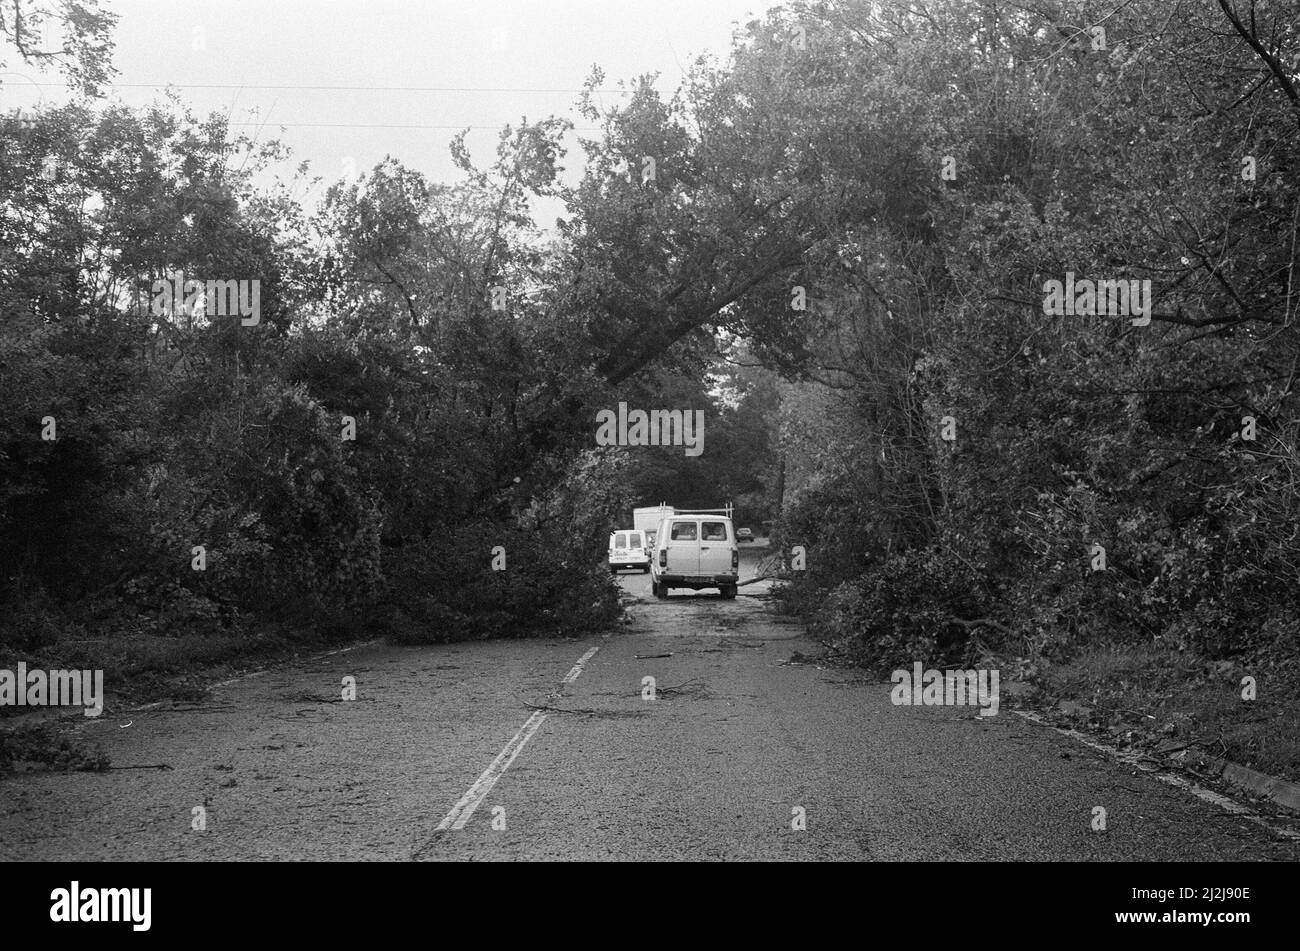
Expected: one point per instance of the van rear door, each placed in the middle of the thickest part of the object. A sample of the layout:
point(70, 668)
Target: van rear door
point(715, 547)
point(683, 548)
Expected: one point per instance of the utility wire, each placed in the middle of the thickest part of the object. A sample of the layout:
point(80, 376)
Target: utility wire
point(489, 89)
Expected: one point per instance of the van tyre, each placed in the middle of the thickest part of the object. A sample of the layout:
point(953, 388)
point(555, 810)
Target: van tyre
point(728, 592)
point(661, 591)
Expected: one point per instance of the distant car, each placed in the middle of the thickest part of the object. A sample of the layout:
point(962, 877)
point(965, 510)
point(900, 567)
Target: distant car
point(744, 535)
point(627, 549)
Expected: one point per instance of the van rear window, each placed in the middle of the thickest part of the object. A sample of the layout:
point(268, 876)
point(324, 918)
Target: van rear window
point(715, 531)
point(633, 539)
point(683, 531)
point(620, 541)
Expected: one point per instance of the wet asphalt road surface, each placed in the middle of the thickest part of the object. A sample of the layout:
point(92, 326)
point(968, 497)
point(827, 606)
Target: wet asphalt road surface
point(484, 751)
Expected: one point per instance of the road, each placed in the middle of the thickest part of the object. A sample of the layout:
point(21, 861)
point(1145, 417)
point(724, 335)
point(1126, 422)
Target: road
point(444, 755)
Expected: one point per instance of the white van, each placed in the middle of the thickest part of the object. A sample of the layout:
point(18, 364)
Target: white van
point(695, 551)
point(627, 549)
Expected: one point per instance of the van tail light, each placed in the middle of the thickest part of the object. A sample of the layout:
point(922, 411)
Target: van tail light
point(663, 558)
point(735, 557)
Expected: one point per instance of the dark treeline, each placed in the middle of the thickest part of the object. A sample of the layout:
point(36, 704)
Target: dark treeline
point(838, 243)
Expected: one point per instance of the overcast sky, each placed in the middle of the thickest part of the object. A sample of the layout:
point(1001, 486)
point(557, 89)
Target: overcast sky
point(479, 63)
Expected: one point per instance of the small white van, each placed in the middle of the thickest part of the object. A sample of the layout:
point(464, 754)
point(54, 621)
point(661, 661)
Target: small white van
point(627, 549)
point(695, 551)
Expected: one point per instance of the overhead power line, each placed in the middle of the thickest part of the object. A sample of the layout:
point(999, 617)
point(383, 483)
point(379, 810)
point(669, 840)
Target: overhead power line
point(288, 86)
point(378, 125)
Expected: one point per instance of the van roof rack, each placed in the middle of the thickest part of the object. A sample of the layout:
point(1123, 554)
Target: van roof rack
point(722, 511)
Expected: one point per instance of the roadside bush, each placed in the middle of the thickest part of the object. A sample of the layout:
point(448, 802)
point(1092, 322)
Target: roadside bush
point(918, 605)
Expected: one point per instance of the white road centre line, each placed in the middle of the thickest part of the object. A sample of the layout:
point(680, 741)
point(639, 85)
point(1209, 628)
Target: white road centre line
point(572, 675)
point(474, 796)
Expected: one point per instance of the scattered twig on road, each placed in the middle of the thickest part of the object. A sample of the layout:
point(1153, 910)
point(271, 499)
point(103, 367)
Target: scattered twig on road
point(150, 766)
point(675, 689)
point(652, 656)
point(581, 711)
point(799, 659)
point(550, 709)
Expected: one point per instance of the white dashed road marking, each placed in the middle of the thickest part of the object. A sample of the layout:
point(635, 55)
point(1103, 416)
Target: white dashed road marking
point(572, 675)
point(474, 796)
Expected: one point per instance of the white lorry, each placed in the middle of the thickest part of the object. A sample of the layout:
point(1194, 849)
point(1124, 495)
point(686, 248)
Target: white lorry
point(646, 520)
